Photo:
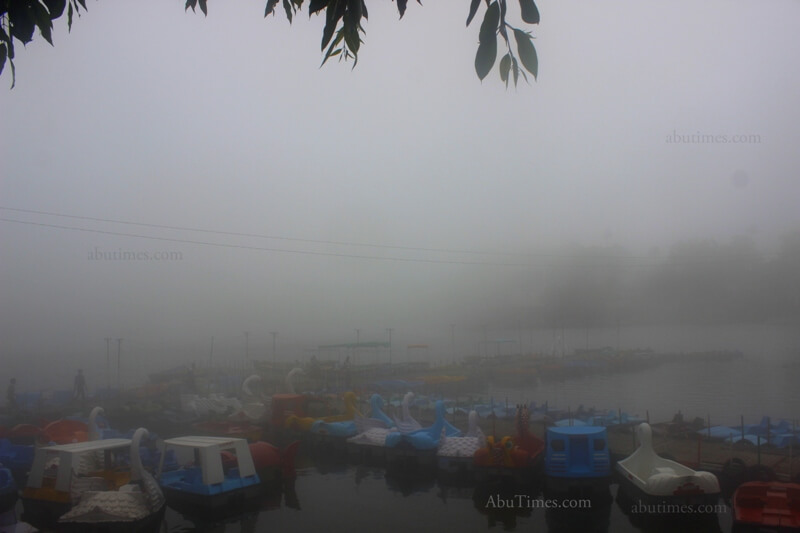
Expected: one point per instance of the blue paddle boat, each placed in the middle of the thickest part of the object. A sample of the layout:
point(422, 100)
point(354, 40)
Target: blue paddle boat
point(418, 448)
point(577, 458)
point(8, 490)
point(218, 477)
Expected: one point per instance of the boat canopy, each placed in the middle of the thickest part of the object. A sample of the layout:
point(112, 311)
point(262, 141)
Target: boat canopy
point(209, 453)
point(67, 459)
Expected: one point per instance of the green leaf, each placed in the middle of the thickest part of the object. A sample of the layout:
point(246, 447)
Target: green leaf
point(316, 5)
point(288, 8)
point(83, 4)
point(42, 20)
point(270, 7)
point(330, 53)
point(505, 68)
point(21, 21)
point(3, 55)
point(530, 13)
point(491, 19)
point(527, 53)
point(189, 3)
point(515, 70)
point(55, 8)
point(203, 7)
point(473, 9)
point(484, 59)
point(401, 7)
point(334, 12)
point(69, 17)
point(364, 9)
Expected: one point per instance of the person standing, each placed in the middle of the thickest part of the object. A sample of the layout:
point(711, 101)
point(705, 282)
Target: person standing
point(79, 389)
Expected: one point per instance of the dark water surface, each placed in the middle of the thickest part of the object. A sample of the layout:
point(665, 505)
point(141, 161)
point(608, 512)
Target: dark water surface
point(330, 495)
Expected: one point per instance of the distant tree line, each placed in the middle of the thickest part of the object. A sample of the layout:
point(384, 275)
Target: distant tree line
point(697, 281)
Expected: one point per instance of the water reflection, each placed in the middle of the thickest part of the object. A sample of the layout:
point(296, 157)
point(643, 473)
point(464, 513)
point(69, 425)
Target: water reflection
point(659, 523)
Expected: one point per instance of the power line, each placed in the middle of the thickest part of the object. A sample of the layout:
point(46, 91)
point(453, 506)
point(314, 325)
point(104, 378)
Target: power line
point(264, 249)
point(261, 236)
point(629, 259)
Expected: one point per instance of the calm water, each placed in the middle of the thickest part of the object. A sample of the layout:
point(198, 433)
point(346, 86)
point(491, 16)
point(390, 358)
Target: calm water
point(351, 498)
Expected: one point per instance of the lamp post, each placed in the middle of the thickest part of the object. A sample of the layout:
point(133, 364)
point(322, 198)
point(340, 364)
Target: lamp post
point(246, 347)
point(389, 331)
point(453, 341)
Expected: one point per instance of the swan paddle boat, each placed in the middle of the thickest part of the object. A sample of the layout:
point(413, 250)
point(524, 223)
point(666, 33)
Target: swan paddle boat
point(766, 506)
point(218, 477)
point(61, 473)
point(329, 430)
point(457, 454)
point(137, 506)
point(577, 457)
point(369, 445)
point(651, 479)
point(407, 423)
point(418, 448)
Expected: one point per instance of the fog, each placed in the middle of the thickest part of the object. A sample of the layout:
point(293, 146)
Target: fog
point(169, 179)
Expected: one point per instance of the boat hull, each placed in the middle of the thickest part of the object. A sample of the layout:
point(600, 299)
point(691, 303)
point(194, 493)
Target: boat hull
point(43, 514)
point(215, 506)
point(688, 503)
point(148, 524)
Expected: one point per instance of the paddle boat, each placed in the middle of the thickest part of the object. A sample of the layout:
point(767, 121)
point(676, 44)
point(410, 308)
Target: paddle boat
point(511, 457)
point(137, 506)
point(654, 480)
point(418, 448)
point(61, 473)
point(456, 454)
point(304, 423)
point(577, 459)
point(377, 417)
point(766, 506)
point(8, 490)
point(255, 405)
point(407, 423)
point(218, 478)
point(369, 444)
point(17, 458)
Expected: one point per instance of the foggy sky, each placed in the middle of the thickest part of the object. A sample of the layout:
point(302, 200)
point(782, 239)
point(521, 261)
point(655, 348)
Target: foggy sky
point(146, 114)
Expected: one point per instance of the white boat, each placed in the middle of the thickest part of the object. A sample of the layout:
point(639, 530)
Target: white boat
point(653, 480)
point(457, 454)
point(84, 487)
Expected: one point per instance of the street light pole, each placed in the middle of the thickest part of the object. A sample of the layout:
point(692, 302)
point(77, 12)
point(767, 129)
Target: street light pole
point(246, 347)
point(119, 356)
point(389, 330)
point(274, 334)
point(453, 341)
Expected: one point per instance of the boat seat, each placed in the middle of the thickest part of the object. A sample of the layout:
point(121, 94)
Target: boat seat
point(663, 470)
point(193, 476)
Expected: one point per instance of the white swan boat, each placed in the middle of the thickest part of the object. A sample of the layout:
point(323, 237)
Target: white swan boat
point(653, 480)
point(68, 491)
point(457, 454)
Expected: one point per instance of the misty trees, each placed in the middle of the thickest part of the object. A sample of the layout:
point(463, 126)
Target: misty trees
point(341, 36)
point(696, 282)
